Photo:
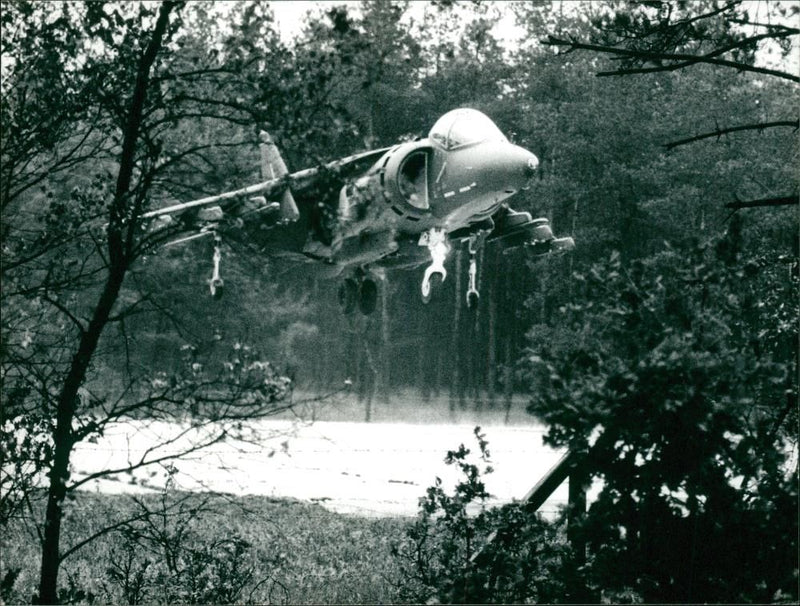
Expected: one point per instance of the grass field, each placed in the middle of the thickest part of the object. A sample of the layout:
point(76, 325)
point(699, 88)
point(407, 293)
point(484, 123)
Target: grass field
point(294, 552)
point(257, 548)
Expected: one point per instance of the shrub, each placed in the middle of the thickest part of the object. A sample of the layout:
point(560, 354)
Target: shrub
point(458, 551)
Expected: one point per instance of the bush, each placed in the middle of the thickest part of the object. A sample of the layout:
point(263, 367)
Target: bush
point(164, 558)
point(687, 362)
point(457, 551)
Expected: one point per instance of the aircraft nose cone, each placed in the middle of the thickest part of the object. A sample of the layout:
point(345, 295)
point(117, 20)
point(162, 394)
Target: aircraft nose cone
point(508, 168)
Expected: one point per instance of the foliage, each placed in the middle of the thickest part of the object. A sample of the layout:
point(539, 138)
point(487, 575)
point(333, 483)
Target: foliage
point(456, 551)
point(163, 558)
point(688, 370)
point(126, 95)
point(659, 33)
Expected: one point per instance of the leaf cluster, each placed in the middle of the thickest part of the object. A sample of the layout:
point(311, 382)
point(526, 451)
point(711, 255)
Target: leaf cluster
point(457, 551)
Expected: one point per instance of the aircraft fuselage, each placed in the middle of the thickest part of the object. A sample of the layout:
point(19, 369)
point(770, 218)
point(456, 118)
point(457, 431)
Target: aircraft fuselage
point(437, 182)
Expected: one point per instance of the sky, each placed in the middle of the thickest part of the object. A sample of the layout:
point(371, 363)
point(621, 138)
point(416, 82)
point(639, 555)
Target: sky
point(289, 16)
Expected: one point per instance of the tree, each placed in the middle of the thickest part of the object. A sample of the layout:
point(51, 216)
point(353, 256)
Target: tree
point(106, 107)
point(457, 551)
point(665, 346)
point(696, 413)
point(657, 37)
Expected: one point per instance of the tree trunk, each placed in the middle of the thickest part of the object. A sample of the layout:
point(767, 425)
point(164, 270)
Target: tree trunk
point(63, 439)
point(476, 367)
point(439, 378)
point(359, 374)
point(423, 374)
point(384, 378)
point(491, 358)
point(576, 512)
point(370, 381)
point(317, 360)
point(120, 245)
point(508, 371)
point(456, 388)
point(570, 281)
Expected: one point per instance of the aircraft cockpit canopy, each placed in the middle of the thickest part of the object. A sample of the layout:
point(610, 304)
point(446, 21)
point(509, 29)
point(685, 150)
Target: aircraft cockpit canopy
point(462, 127)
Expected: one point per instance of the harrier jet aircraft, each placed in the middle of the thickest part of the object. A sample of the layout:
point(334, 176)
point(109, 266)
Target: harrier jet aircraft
point(400, 206)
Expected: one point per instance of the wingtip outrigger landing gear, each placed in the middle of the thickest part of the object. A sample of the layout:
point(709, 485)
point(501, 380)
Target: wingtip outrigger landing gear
point(216, 284)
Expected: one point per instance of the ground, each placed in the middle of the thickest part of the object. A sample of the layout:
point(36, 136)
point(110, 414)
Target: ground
point(379, 468)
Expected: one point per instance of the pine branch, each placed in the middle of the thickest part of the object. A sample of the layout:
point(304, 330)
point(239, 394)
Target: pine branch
point(700, 58)
point(718, 132)
point(653, 55)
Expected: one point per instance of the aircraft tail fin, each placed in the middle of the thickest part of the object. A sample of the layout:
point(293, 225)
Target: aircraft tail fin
point(273, 167)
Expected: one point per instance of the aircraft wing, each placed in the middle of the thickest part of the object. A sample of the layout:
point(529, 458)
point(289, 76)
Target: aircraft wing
point(281, 185)
point(343, 168)
point(265, 188)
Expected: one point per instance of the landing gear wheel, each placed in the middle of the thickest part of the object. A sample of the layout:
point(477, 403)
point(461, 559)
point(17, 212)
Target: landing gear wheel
point(348, 295)
point(368, 296)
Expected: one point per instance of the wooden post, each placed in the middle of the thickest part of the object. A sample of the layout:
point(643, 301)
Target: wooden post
point(540, 492)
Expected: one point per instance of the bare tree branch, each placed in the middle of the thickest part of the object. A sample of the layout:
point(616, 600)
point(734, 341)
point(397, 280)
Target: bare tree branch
point(733, 129)
point(782, 201)
point(145, 461)
point(66, 312)
point(145, 514)
point(774, 26)
point(715, 53)
point(652, 55)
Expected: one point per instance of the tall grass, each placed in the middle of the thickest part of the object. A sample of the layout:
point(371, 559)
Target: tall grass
point(287, 552)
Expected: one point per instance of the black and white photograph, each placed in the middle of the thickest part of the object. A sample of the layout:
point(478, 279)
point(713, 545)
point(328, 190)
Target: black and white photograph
point(399, 302)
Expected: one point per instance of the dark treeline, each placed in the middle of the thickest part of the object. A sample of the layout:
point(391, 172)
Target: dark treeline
point(606, 178)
